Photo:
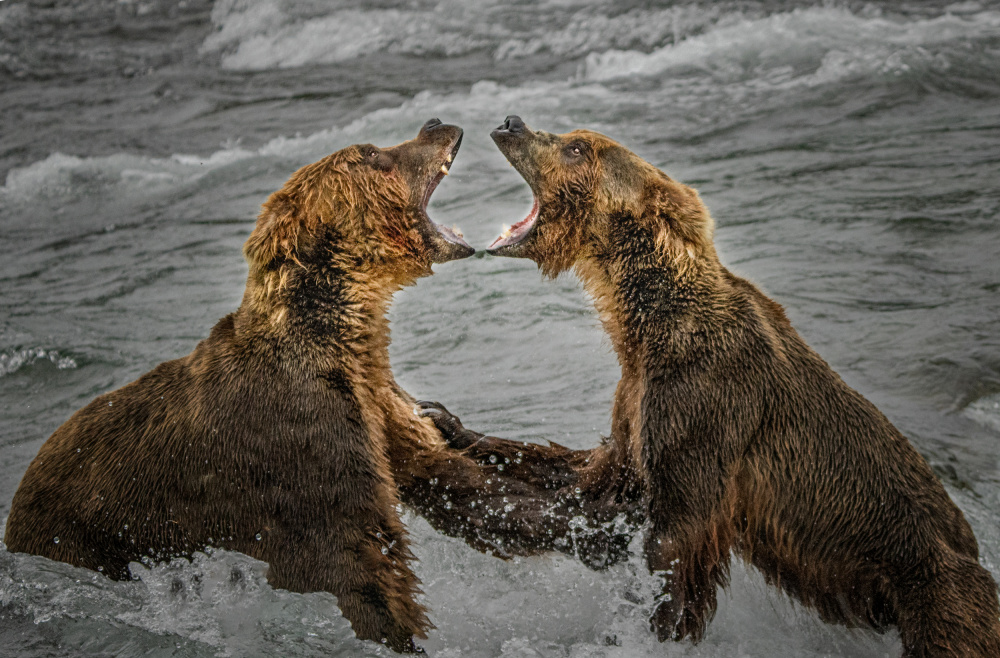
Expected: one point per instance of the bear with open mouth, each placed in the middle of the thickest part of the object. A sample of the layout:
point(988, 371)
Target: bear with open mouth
point(741, 437)
point(283, 435)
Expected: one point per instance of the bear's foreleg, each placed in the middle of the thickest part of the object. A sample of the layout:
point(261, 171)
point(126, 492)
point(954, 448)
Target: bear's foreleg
point(949, 608)
point(689, 453)
point(362, 560)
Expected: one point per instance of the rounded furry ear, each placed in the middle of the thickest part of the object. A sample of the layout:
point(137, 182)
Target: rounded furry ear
point(678, 217)
point(276, 235)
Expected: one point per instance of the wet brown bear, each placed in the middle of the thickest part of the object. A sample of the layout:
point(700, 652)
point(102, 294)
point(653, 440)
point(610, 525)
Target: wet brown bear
point(280, 435)
point(745, 439)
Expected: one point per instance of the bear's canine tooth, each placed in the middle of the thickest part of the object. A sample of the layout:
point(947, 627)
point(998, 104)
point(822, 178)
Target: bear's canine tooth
point(444, 170)
point(457, 231)
point(506, 231)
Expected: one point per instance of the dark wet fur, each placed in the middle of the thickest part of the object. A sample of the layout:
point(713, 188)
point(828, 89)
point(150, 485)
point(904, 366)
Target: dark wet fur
point(746, 439)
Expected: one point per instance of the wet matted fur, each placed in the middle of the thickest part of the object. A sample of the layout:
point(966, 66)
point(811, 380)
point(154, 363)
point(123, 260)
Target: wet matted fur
point(744, 439)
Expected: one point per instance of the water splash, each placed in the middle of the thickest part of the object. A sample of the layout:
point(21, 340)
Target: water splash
point(986, 411)
point(13, 360)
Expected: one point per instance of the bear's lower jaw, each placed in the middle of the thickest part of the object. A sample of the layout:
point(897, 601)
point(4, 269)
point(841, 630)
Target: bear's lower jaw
point(505, 244)
point(449, 244)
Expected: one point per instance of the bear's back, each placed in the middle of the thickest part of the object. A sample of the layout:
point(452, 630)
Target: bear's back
point(216, 448)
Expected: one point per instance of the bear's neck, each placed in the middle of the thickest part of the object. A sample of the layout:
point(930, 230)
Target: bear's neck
point(323, 319)
point(654, 303)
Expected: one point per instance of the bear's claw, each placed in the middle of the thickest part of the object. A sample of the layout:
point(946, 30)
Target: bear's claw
point(451, 428)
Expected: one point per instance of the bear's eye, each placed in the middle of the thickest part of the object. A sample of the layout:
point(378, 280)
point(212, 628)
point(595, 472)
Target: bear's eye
point(373, 154)
point(574, 151)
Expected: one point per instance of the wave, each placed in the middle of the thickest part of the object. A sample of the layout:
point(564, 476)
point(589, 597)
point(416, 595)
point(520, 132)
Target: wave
point(60, 175)
point(281, 34)
point(812, 46)
point(714, 64)
point(13, 360)
point(985, 411)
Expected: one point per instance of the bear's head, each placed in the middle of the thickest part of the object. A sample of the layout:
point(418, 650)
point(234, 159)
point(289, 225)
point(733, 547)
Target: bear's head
point(360, 211)
point(593, 198)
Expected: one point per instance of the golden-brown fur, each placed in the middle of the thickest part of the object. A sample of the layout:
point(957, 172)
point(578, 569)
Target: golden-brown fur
point(283, 434)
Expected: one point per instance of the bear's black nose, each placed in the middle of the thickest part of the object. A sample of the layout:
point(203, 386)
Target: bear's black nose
point(512, 124)
point(433, 123)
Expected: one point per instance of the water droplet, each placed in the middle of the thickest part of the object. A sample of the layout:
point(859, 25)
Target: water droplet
point(78, 450)
point(500, 467)
point(577, 491)
point(493, 459)
point(385, 550)
point(56, 540)
point(258, 537)
point(447, 505)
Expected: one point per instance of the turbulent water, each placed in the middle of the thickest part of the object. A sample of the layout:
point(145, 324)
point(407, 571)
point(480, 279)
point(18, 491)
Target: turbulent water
point(849, 153)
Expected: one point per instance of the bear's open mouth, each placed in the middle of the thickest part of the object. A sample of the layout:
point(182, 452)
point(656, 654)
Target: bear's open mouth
point(453, 235)
point(517, 232)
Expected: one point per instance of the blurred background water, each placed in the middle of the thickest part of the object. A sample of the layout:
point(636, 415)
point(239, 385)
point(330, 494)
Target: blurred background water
point(849, 152)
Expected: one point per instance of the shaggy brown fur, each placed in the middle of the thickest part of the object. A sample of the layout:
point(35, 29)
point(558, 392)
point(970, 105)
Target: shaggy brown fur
point(283, 435)
point(745, 439)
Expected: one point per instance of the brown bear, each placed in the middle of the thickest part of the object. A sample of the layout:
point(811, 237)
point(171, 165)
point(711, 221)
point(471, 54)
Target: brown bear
point(744, 439)
point(283, 435)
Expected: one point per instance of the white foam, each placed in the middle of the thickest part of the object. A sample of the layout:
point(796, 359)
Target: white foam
point(62, 175)
point(281, 34)
point(13, 360)
point(986, 411)
point(810, 46)
point(271, 34)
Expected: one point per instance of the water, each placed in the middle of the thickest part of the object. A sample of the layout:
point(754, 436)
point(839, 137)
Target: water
point(848, 151)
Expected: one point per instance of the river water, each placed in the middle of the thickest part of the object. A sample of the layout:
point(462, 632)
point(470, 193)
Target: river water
point(850, 153)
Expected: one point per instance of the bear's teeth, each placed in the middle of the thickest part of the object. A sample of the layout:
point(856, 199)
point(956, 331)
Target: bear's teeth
point(444, 170)
point(506, 232)
point(449, 158)
point(457, 231)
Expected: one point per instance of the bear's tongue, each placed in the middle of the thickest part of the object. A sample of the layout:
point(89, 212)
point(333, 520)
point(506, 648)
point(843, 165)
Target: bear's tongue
point(518, 231)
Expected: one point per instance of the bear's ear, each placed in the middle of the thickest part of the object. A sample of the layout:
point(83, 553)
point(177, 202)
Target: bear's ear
point(623, 179)
point(276, 236)
point(680, 222)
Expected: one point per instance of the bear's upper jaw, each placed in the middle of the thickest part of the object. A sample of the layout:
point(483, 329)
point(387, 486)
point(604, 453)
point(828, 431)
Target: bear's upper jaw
point(514, 234)
point(454, 246)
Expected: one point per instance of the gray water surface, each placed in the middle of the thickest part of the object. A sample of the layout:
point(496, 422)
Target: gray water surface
point(849, 152)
